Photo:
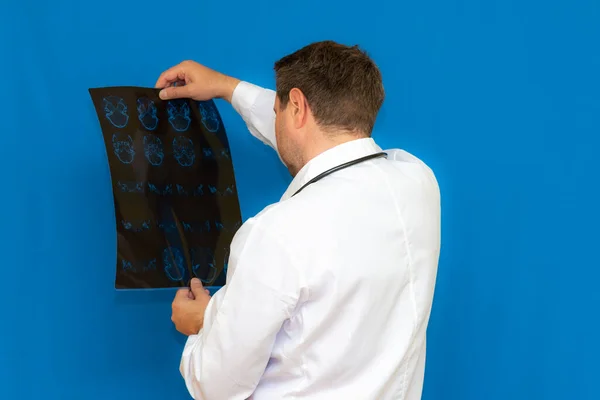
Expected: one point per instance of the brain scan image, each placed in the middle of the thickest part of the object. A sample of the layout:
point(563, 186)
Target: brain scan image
point(208, 153)
point(127, 266)
point(153, 188)
point(199, 190)
point(153, 150)
point(174, 264)
point(147, 113)
point(123, 148)
point(181, 190)
point(168, 227)
point(150, 265)
point(209, 115)
point(179, 114)
point(228, 191)
point(167, 155)
point(183, 151)
point(129, 226)
point(130, 187)
point(224, 153)
point(203, 266)
point(115, 110)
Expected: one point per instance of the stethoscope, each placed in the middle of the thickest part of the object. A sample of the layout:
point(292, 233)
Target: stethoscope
point(339, 167)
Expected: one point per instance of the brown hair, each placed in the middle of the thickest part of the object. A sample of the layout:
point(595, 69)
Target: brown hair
point(342, 85)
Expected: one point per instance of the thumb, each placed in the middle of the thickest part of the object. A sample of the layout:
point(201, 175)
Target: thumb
point(197, 287)
point(174, 92)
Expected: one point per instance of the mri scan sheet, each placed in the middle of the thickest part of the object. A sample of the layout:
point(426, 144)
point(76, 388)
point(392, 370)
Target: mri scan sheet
point(175, 198)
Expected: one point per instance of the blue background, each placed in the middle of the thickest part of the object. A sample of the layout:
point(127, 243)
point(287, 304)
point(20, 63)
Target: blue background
point(499, 97)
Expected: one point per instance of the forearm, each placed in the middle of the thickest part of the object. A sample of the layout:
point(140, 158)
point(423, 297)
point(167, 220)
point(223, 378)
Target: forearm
point(227, 359)
point(203, 378)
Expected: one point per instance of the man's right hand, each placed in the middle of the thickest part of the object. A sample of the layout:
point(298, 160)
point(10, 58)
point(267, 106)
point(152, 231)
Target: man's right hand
point(199, 83)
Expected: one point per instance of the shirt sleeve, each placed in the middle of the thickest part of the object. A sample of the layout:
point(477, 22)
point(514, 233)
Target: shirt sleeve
point(227, 359)
point(255, 105)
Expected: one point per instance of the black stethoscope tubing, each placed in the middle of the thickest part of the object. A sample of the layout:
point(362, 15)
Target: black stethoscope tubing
point(339, 167)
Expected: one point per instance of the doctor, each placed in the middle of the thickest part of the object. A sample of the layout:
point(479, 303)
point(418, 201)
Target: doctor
point(328, 291)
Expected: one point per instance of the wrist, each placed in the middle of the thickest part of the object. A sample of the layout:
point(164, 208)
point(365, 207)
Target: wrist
point(227, 88)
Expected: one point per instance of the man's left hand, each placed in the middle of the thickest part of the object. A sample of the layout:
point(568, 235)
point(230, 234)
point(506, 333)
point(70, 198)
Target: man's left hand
point(188, 308)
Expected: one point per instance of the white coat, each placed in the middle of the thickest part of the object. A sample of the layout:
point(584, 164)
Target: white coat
point(329, 292)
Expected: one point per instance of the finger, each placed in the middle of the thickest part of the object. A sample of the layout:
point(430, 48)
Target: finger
point(207, 291)
point(174, 92)
point(173, 74)
point(196, 286)
point(182, 294)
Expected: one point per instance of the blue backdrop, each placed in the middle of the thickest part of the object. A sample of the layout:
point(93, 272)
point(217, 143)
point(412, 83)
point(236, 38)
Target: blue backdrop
point(500, 98)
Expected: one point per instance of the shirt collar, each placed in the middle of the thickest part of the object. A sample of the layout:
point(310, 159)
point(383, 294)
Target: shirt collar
point(331, 158)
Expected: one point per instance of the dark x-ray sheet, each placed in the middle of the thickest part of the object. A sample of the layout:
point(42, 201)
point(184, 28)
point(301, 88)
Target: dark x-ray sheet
point(175, 197)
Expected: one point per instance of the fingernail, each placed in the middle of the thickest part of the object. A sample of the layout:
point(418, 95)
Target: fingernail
point(162, 94)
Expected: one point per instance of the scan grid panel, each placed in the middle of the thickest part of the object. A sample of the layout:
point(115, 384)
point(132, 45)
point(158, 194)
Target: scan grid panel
point(174, 189)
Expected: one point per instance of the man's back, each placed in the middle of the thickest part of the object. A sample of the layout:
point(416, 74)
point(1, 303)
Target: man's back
point(368, 265)
point(328, 291)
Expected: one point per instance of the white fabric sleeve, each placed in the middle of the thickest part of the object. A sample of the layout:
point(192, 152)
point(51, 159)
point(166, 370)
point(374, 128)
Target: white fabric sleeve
point(227, 358)
point(255, 105)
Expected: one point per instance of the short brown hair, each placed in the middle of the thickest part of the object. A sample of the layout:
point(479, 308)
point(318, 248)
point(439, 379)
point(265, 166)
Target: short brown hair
point(342, 85)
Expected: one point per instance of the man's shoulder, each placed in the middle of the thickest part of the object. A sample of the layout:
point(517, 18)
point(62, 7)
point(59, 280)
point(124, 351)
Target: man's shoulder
point(274, 217)
point(279, 220)
point(412, 166)
point(403, 156)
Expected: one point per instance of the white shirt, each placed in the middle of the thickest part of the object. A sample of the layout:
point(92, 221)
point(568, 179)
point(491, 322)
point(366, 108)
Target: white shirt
point(329, 292)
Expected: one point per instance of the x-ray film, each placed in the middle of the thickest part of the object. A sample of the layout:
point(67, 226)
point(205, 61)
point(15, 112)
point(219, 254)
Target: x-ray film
point(175, 198)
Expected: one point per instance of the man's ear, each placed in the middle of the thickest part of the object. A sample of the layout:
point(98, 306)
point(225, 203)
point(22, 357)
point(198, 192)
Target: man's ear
point(298, 107)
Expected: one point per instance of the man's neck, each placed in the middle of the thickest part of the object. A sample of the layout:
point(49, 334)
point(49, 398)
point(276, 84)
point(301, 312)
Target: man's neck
point(326, 142)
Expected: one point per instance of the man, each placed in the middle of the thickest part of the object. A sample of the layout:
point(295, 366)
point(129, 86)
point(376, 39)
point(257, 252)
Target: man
point(328, 291)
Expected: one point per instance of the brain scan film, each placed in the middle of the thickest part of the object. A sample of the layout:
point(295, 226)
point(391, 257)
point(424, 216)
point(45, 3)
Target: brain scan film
point(115, 111)
point(175, 198)
point(153, 150)
point(204, 264)
point(183, 151)
point(174, 264)
point(147, 113)
point(123, 147)
point(179, 114)
point(209, 116)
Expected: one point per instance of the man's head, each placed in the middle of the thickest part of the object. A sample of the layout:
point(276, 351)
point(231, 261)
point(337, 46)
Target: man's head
point(327, 94)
